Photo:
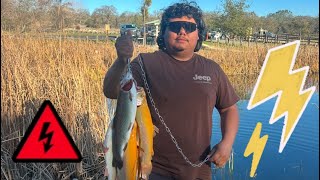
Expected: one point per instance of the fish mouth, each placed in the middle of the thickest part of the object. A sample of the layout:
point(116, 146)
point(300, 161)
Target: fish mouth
point(128, 85)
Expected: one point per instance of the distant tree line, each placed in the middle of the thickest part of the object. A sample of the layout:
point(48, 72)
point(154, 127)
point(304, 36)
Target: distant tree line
point(234, 19)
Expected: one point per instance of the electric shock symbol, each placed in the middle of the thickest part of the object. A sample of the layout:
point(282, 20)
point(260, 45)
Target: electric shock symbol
point(47, 139)
point(43, 135)
point(278, 79)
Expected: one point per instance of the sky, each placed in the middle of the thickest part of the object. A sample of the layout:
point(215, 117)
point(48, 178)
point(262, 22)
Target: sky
point(260, 7)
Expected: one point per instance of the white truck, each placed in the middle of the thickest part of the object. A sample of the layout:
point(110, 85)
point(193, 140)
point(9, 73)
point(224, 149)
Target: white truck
point(132, 27)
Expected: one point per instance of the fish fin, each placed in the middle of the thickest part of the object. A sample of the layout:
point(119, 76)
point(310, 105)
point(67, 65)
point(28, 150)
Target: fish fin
point(146, 168)
point(156, 130)
point(105, 149)
point(117, 163)
point(106, 172)
point(125, 147)
point(143, 177)
point(139, 102)
point(130, 127)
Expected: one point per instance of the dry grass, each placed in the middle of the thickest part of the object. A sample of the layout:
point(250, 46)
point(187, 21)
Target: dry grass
point(35, 69)
point(247, 60)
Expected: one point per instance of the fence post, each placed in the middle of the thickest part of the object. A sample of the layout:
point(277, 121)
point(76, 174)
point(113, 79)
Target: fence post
point(300, 35)
point(309, 39)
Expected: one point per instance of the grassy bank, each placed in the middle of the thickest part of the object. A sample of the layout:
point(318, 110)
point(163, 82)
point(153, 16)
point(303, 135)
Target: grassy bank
point(70, 74)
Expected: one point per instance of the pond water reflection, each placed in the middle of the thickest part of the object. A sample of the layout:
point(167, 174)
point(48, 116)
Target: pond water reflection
point(300, 157)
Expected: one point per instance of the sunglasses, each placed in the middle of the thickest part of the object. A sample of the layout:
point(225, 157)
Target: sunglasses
point(176, 26)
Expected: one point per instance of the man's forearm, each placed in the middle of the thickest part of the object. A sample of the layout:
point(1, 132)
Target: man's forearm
point(229, 123)
point(111, 83)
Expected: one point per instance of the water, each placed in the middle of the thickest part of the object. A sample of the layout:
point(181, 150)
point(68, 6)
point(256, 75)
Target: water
point(299, 159)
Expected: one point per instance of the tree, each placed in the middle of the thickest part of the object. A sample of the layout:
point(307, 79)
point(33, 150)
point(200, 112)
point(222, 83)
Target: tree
point(61, 14)
point(104, 15)
point(145, 12)
point(234, 20)
point(8, 14)
point(282, 20)
point(81, 16)
point(212, 20)
point(301, 25)
point(315, 25)
point(129, 17)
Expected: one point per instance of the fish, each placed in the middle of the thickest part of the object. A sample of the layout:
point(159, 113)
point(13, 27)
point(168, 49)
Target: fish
point(131, 157)
point(128, 143)
point(110, 171)
point(121, 125)
point(124, 117)
point(139, 152)
point(146, 131)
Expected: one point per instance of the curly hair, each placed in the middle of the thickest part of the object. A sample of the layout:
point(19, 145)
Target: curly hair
point(177, 10)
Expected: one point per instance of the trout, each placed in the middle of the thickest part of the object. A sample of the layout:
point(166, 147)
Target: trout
point(139, 152)
point(120, 127)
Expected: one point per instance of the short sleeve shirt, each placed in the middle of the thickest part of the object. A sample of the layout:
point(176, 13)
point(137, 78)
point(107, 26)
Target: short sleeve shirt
point(185, 94)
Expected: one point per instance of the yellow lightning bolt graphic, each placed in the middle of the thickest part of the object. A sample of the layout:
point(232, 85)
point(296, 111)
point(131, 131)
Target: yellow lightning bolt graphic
point(255, 146)
point(278, 79)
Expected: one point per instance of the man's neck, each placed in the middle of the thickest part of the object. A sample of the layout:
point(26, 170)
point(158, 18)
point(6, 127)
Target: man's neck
point(181, 56)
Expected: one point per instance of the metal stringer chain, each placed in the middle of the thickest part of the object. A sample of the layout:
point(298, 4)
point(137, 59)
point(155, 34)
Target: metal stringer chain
point(162, 121)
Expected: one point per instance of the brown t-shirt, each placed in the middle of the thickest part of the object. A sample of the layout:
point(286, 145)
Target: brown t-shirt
point(185, 93)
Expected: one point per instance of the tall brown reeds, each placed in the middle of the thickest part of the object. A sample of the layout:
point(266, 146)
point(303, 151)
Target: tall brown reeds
point(70, 75)
point(247, 60)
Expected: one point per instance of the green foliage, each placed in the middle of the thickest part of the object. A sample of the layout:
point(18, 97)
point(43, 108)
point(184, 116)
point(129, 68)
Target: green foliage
point(145, 8)
point(212, 20)
point(104, 15)
point(233, 18)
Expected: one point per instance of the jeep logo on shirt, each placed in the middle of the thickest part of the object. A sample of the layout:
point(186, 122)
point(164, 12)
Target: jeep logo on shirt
point(202, 79)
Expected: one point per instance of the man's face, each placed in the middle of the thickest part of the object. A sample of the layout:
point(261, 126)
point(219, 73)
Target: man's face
point(181, 39)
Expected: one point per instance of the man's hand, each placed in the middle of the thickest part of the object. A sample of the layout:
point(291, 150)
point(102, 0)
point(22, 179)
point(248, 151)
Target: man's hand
point(220, 154)
point(229, 127)
point(124, 46)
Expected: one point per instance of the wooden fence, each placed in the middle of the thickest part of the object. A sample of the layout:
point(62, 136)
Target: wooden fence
point(312, 39)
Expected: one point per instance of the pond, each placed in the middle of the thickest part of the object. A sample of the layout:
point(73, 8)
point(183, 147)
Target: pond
point(300, 157)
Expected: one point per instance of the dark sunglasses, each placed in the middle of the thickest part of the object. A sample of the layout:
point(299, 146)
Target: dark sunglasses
point(176, 26)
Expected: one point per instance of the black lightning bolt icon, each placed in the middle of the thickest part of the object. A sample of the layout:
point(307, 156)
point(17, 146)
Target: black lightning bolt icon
point(44, 135)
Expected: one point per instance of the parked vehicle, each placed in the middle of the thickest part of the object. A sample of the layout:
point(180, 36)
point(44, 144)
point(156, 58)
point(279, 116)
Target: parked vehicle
point(150, 32)
point(214, 35)
point(270, 34)
point(132, 27)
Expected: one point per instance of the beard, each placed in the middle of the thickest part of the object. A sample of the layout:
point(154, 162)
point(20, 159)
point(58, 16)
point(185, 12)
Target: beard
point(178, 49)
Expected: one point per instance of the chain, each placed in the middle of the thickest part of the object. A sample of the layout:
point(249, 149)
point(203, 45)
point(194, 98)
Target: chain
point(129, 66)
point(165, 125)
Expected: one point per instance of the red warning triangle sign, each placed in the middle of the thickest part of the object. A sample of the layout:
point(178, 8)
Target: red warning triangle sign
point(47, 139)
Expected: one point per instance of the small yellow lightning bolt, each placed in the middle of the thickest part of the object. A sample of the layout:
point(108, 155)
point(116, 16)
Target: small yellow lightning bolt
point(278, 79)
point(255, 146)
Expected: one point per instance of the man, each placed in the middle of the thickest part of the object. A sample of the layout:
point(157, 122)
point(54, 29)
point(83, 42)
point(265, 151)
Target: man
point(184, 89)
